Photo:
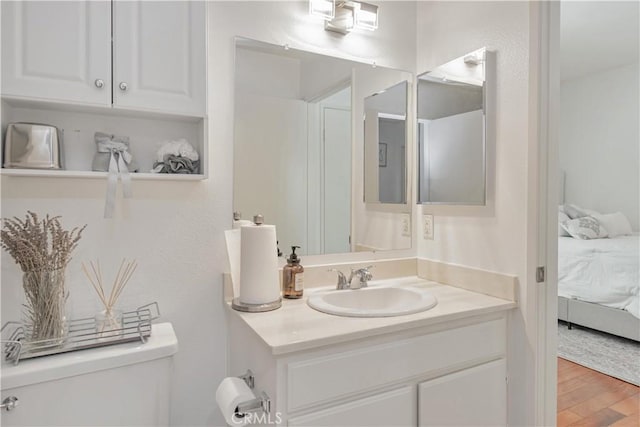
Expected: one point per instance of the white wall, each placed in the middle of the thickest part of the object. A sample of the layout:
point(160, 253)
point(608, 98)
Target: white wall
point(491, 237)
point(271, 129)
point(600, 141)
point(452, 159)
point(175, 229)
point(271, 151)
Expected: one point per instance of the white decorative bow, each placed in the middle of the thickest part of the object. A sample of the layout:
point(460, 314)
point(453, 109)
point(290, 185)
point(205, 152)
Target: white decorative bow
point(118, 148)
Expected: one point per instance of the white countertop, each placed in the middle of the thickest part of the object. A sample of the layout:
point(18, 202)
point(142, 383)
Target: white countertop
point(296, 326)
point(161, 343)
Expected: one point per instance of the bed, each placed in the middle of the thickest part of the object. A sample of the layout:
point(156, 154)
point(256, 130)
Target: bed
point(599, 284)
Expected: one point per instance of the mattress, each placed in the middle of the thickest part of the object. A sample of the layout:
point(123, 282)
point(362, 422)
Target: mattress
point(601, 271)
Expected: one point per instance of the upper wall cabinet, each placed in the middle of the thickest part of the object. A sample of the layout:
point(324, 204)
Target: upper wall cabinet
point(57, 50)
point(159, 55)
point(62, 51)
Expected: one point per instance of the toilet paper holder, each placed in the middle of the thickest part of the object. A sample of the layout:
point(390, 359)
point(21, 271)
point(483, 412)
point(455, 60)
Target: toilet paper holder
point(261, 402)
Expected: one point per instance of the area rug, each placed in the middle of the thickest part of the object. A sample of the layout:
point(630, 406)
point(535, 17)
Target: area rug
point(614, 356)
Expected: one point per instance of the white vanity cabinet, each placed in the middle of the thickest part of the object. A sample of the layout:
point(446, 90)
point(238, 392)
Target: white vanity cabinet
point(391, 408)
point(451, 373)
point(62, 51)
point(476, 396)
point(57, 50)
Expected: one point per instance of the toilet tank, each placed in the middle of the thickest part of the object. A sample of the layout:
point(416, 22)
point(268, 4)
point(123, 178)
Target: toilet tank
point(120, 385)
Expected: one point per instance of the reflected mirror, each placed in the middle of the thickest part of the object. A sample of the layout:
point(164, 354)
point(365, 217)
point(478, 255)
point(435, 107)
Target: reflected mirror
point(385, 142)
point(299, 152)
point(451, 132)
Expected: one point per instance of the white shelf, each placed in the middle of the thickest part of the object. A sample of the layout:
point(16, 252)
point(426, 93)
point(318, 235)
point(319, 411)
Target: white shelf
point(78, 125)
point(105, 110)
point(48, 173)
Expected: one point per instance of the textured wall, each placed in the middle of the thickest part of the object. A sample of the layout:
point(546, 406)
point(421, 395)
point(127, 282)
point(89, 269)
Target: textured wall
point(492, 237)
point(599, 134)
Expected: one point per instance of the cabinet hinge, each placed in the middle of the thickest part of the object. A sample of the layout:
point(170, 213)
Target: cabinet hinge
point(540, 274)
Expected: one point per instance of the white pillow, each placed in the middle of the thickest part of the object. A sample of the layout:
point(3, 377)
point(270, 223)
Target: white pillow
point(585, 228)
point(616, 224)
point(562, 217)
point(574, 211)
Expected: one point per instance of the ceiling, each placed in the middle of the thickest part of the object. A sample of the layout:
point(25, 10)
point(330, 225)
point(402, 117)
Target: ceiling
point(598, 35)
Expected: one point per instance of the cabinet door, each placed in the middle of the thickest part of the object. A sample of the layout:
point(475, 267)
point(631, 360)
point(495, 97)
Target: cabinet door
point(160, 56)
point(473, 397)
point(57, 50)
point(394, 408)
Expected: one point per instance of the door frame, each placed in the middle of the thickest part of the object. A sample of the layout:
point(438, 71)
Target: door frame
point(323, 108)
point(543, 180)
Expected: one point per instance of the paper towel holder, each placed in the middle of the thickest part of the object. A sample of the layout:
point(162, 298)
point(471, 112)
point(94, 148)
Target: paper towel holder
point(236, 304)
point(261, 402)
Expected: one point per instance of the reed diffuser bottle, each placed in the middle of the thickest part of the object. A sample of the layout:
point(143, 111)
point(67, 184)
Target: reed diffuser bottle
point(292, 276)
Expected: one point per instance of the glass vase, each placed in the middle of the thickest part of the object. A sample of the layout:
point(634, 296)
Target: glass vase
point(109, 323)
point(44, 308)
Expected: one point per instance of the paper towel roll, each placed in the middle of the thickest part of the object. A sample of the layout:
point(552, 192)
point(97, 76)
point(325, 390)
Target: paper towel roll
point(230, 393)
point(259, 281)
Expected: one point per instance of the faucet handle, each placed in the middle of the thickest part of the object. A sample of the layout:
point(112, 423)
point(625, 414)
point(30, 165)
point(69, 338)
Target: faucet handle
point(362, 270)
point(363, 274)
point(342, 280)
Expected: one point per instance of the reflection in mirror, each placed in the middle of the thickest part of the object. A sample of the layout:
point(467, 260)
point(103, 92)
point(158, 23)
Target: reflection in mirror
point(452, 132)
point(297, 155)
point(385, 130)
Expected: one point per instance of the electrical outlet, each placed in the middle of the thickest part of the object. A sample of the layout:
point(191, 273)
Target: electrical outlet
point(406, 225)
point(427, 227)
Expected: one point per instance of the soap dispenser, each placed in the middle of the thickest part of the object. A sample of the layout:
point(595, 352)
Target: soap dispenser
point(292, 276)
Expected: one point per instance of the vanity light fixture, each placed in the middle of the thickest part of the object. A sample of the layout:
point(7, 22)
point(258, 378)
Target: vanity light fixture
point(325, 9)
point(366, 16)
point(353, 14)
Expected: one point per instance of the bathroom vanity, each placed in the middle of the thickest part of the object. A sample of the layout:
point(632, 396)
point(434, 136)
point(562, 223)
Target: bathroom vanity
point(443, 366)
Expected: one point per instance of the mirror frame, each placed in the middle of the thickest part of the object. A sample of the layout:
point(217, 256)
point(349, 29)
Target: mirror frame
point(410, 149)
point(487, 90)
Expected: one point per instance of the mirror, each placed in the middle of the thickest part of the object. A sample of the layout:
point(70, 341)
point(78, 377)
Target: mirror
point(385, 142)
point(299, 150)
point(451, 132)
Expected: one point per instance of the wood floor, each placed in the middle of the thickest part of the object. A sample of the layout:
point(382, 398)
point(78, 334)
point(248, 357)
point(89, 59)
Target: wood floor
point(589, 398)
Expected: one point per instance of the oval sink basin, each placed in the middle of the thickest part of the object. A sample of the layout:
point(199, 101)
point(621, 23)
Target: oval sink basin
point(373, 301)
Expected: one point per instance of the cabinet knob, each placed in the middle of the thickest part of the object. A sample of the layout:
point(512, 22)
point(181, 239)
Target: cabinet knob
point(99, 83)
point(123, 86)
point(9, 403)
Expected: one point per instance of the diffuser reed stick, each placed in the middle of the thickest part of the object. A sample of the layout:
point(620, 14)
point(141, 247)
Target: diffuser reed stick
point(109, 320)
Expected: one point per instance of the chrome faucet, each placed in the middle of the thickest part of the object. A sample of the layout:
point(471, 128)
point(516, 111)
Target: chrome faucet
point(363, 275)
point(342, 280)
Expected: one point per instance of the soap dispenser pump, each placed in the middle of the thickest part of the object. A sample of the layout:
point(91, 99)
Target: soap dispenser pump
point(292, 276)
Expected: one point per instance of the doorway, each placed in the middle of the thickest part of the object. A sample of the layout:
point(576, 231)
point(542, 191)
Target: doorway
point(593, 181)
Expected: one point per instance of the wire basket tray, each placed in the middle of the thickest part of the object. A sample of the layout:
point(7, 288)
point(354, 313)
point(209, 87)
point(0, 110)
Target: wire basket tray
point(82, 334)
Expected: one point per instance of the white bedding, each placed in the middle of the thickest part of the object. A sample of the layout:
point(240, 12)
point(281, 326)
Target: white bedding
point(603, 271)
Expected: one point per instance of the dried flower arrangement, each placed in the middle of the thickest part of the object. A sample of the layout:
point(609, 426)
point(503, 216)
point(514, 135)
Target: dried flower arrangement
point(110, 318)
point(42, 249)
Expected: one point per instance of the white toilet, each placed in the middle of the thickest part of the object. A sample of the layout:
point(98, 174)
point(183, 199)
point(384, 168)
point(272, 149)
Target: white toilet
point(126, 384)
